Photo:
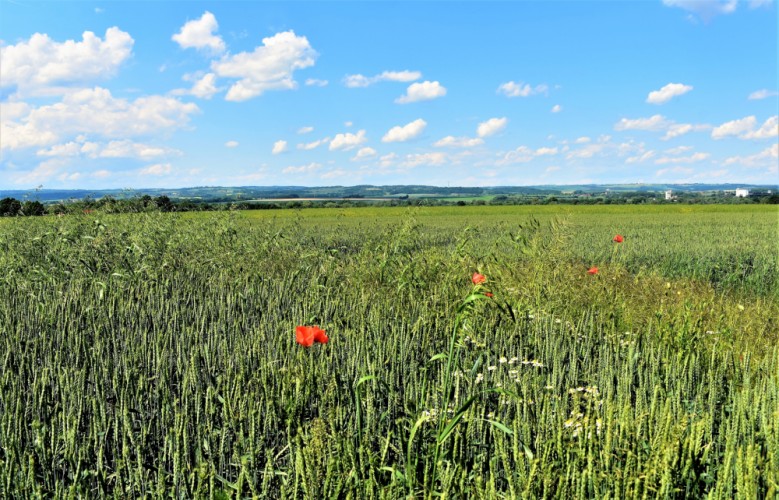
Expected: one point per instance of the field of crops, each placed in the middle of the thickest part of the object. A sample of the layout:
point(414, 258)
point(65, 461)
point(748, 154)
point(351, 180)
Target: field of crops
point(155, 354)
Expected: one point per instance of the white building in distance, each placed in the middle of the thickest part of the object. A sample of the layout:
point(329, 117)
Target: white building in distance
point(742, 193)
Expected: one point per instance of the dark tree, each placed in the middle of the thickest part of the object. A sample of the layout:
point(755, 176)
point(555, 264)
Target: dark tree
point(9, 207)
point(33, 208)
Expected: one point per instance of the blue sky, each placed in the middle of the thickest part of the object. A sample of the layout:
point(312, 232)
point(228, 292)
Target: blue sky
point(174, 94)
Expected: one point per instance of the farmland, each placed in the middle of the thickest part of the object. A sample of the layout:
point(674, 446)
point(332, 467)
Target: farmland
point(154, 354)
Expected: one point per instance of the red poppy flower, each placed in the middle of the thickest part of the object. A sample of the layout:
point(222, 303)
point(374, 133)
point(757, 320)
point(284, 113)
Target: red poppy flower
point(592, 270)
point(618, 239)
point(307, 335)
point(488, 294)
point(478, 279)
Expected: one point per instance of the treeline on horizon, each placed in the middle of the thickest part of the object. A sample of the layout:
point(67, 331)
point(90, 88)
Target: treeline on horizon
point(11, 207)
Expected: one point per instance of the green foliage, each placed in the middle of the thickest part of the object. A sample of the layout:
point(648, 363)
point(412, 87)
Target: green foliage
point(153, 354)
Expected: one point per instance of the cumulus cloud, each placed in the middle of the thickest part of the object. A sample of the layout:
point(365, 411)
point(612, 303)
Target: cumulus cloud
point(582, 140)
point(305, 130)
point(451, 141)
point(364, 154)
point(556, 108)
point(491, 126)
point(204, 87)
point(113, 149)
point(303, 169)
point(353, 81)
point(765, 158)
point(347, 141)
point(706, 9)
point(694, 158)
point(667, 93)
point(647, 155)
point(158, 169)
point(770, 129)
point(279, 147)
point(679, 129)
point(762, 94)
point(513, 89)
point(314, 82)
point(406, 132)
point(416, 160)
point(546, 151)
point(524, 154)
point(313, 145)
point(199, 34)
point(33, 66)
point(269, 67)
point(94, 112)
point(424, 91)
point(734, 127)
point(653, 123)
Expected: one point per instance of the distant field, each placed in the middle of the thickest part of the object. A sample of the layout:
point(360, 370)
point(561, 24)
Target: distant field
point(151, 354)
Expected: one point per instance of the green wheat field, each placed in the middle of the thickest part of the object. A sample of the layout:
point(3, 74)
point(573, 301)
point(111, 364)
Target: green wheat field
point(154, 355)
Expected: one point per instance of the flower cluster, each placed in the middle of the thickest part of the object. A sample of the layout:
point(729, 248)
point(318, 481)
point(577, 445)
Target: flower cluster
point(617, 239)
point(307, 335)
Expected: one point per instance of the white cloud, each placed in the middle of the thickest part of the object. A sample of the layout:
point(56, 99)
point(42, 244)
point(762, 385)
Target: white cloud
point(199, 34)
point(157, 169)
point(734, 127)
point(314, 82)
point(348, 124)
point(706, 9)
point(279, 147)
point(305, 130)
point(765, 158)
point(303, 169)
point(678, 150)
point(113, 149)
point(424, 91)
point(653, 123)
point(522, 154)
point(353, 81)
point(269, 67)
point(204, 87)
point(556, 108)
point(694, 158)
point(679, 129)
point(587, 151)
point(491, 126)
point(314, 144)
point(37, 64)
point(451, 141)
point(582, 140)
point(415, 160)
point(512, 89)
point(231, 144)
point(769, 130)
point(406, 132)
point(546, 151)
point(642, 158)
point(364, 154)
point(762, 94)
point(667, 93)
point(347, 141)
point(94, 112)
